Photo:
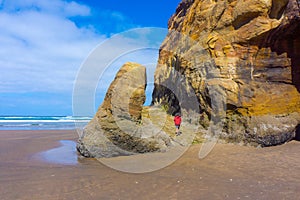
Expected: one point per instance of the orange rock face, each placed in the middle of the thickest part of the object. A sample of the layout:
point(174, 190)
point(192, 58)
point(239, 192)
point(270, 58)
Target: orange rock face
point(247, 51)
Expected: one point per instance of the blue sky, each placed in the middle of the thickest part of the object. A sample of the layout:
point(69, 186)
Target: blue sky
point(43, 45)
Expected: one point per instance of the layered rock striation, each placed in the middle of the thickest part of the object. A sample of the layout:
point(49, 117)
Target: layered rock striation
point(116, 128)
point(242, 61)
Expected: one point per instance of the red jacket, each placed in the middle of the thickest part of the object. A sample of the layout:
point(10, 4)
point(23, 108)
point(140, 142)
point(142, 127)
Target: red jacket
point(177, 120)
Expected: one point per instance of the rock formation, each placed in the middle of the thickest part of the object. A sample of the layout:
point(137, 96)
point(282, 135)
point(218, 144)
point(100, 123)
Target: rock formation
point(115, 129)
point(242, 61)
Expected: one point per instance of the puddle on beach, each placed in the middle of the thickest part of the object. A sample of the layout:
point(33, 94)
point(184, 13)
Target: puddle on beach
point(66, 154)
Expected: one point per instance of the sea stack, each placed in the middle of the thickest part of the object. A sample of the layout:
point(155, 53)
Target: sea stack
point(242, 60)
point(115, 129)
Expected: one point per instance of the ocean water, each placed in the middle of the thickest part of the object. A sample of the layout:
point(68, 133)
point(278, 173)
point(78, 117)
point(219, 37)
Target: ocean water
point(43, 122)
point(66, 154)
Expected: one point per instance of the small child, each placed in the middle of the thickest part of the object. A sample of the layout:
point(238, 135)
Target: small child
point(177, 121)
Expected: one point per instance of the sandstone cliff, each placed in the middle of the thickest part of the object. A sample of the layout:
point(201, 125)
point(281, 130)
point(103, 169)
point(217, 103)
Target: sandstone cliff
point(242, 61)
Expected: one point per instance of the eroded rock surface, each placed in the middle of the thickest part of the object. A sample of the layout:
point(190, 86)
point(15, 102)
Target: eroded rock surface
point(116, 128)
point(242, 60)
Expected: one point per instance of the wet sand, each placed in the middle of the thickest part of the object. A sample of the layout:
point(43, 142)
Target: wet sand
point(228, 172)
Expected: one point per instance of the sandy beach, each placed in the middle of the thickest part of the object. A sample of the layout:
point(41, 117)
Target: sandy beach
point(228, 172)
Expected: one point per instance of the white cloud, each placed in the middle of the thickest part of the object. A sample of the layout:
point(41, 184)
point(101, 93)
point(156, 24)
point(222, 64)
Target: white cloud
point(73, 9)
point(40, 48)
point(54, 6)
